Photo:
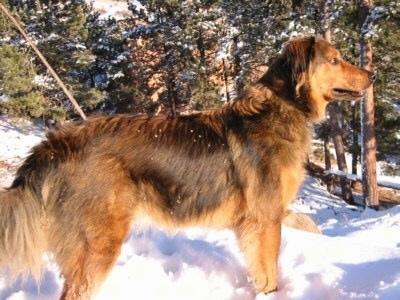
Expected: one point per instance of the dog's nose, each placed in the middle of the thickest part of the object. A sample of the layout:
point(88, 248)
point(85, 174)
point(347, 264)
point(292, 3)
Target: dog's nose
point(372, 76)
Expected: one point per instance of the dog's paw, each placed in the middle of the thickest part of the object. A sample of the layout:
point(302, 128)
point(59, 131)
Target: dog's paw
point(265, 286)
point(271, 291)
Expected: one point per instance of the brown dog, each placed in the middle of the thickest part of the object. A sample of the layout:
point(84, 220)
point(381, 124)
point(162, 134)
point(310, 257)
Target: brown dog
point(237, 167)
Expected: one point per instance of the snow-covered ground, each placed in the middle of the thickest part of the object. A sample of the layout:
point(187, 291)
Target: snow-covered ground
point(357, 257)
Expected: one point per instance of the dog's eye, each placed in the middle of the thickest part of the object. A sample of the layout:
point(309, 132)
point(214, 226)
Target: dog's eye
point(334, 61)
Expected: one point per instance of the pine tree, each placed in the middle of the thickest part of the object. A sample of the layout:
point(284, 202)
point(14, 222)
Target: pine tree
point(387, 85)
point(175, 41)
point(369, 176)
point(252, 33)
point(86, 52)
point(58, 29)
point(17, 87)
point(110, 69)
point(385, 88)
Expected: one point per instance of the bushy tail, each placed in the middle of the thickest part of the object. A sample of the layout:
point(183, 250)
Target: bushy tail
point(22, 238)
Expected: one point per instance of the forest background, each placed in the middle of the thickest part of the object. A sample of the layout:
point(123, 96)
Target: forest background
point(173, 57)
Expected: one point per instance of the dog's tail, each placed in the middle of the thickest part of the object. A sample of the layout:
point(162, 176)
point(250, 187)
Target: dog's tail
point(22, 232)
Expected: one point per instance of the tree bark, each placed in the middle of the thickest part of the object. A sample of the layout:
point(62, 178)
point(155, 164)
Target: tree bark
point(171, 94)
point(355, 146)
point(327, 156)
point(226, 82)
point(323, 13)
point(368, 146)
point(347, 195)
point(237, 68)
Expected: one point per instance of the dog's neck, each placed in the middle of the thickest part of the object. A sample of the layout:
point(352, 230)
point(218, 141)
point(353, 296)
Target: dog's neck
point(279, 80)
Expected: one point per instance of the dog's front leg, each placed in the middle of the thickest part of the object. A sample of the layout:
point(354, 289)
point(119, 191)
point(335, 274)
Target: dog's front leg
point(260, 243)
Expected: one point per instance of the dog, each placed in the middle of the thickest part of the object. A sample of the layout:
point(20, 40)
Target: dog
point(79, 191)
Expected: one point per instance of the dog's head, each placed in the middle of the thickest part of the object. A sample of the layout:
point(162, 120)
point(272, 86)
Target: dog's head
point(312, 73)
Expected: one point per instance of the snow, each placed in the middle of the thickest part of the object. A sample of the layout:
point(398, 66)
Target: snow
point(111, 8)
point(357, 257)
point(386, 181)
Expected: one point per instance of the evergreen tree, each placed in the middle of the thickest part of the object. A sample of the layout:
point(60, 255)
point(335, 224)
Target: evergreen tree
point(253, 32)
point(17, 88)
point(111, 70)
point(387, 86)
point(174, 43)
point(386, 53)
point(57, 29)
point(85, 51)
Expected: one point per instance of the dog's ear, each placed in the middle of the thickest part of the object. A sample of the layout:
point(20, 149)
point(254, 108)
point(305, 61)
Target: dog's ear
point(297, 55)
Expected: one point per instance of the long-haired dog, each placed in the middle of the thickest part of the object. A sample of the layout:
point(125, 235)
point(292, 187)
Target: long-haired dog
point(78, 192)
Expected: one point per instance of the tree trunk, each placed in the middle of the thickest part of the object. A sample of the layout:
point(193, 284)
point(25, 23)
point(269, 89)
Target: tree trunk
point(327, 155)
point(368, 146)
point(171, 94)
point(334, 121)
point(226, 82)
point(237, 67)
point(326, 125)
point(340, 153)
point(356, 146)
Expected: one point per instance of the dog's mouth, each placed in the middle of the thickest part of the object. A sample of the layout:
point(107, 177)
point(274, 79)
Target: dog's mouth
point(347, 94)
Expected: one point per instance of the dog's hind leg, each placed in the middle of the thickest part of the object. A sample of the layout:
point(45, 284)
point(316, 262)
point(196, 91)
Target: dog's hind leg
point(87, 237)
point(91, 270)
point(260, 243)
point(86, 262)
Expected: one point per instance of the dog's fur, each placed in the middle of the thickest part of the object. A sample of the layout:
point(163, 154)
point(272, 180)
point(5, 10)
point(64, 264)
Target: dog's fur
point(78, 193)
